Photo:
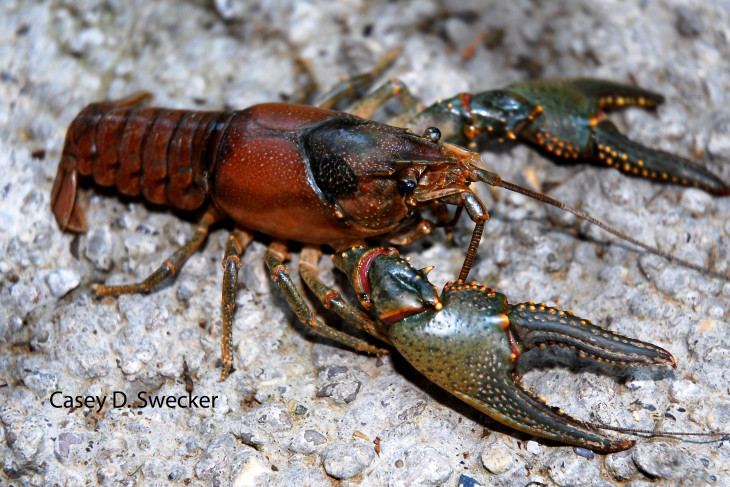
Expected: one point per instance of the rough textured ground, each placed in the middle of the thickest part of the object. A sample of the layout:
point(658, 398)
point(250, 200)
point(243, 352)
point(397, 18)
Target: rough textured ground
point(299, 410)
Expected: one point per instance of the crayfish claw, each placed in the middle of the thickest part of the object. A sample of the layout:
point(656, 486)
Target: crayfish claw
point(470, 346)
point(565, 119)
point(538, 324)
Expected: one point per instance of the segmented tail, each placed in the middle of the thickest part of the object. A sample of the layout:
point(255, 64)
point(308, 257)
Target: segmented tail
point(63, 195)
point(157, 153)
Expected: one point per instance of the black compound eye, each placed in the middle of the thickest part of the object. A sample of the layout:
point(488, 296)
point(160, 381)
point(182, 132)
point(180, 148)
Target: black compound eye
point(433, 134)
point(407, 184)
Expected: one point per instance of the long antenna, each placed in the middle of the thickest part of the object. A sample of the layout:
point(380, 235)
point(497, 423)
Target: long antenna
point(653, 433)
point(490, 179)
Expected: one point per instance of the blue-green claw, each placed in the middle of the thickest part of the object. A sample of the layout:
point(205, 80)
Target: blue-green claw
point(565, 119)
point(468, 341)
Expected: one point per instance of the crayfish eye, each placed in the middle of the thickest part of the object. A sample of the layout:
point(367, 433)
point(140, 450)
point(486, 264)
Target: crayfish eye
point(407, 184)
point(433, 134)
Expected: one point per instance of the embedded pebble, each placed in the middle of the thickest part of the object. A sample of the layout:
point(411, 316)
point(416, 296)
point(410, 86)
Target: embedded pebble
point(134, 309)
point(584, 452)
point(184, 291)
point(131, 366)
point(247, 352)
point(230, 10)
point(254, 274)
point(7, 222)
point(339, 383)
point(497, 457)
point(640, 380)
point(568, 470)
point(72, 479)
point(139, 243)
point(63, 444)
point(253, 436)
point(25, 297)
point(222, 455)
point(617, 189)
point(5, 330)
point(718, 418)
point(155, 468)
point(684, 391)
point(14, 324)
point(106, 475)
point(620, 465)
point(688, 23)
point(306, 441)
point(466, 481)
point(458, 31)
point(344, 460)
point(673, 281)
point(40, 383)
point(99, 244)
point(403, 434)
point(253, 474)
point(87, 40)
point(662, 460)
point(533, 447)
point(62, 281)
point(696, 201)
point(718, 144)
point(269, 416)
point(25, 441)
point(422, 465)
point(170, 368)
point(646, 304)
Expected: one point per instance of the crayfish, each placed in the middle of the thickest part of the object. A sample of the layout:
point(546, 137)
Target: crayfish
point(323, 177)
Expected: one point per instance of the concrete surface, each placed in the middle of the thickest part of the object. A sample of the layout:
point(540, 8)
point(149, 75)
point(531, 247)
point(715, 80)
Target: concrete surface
point(300, 410)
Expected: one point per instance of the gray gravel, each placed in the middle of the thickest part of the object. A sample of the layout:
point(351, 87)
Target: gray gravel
point(299, 410)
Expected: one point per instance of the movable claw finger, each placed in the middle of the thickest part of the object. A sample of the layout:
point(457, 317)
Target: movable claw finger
point(466, 347)
point(507, 402)
point(610, 147)
point(538, 324)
